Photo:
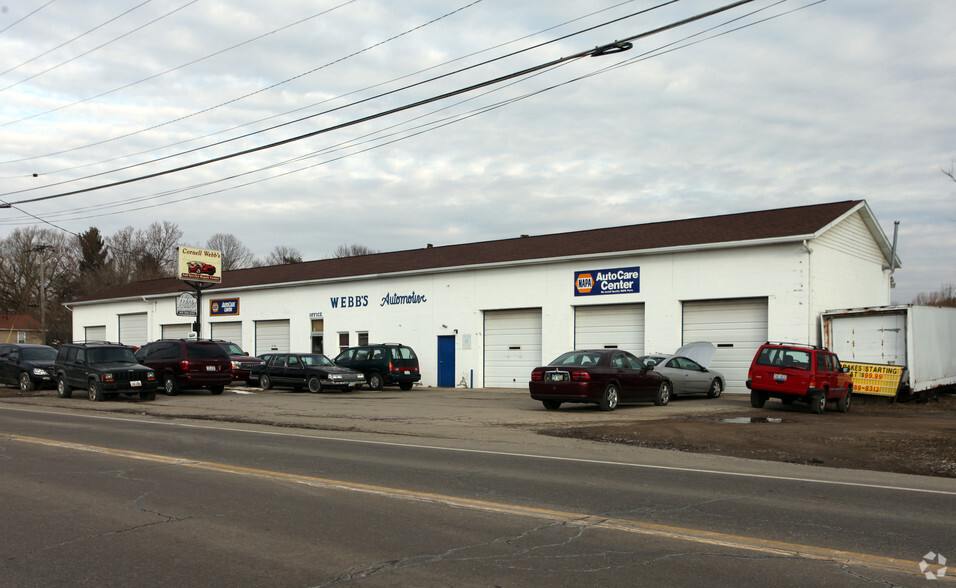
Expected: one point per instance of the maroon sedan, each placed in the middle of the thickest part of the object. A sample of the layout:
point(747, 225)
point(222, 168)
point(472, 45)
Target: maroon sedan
point(605, 377)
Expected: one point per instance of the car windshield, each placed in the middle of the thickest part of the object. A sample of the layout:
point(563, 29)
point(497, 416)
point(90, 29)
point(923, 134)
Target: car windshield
point(784, 358)
point(402, 353)
point(316, 360)
point(111, 355)
point(39, 354)
point(578, 358)
point(232, 349)
point(204, 351)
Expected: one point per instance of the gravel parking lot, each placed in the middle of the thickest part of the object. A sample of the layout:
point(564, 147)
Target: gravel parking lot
point(911, 437)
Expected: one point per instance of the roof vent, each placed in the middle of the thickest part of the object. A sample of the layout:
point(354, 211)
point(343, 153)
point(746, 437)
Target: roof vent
point(428, 245)
point(524, 236)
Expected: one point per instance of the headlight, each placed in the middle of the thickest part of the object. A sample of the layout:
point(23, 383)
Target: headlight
point(335, 376)
point(235, 365)
point(107, 377)
point(40, 372)
point(150, 376)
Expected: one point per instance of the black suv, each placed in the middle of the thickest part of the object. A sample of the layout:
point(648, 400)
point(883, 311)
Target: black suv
point(384, 364)
point(186, 363)
point(103, 369)
point(27, 366)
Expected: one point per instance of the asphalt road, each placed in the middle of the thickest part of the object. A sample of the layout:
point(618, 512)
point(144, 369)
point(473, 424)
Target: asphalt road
point(427, 488)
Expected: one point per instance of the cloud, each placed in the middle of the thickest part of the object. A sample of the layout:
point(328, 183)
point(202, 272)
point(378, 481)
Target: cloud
point(841, 100)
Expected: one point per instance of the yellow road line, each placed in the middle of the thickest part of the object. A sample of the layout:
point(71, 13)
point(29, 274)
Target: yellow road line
point(571, 518)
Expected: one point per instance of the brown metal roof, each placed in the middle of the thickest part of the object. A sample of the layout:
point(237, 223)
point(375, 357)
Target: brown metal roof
point(18, 322)
point(748, 226)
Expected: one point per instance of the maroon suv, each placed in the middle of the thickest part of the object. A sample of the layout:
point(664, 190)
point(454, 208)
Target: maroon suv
point(804, 373)
point(184, 363)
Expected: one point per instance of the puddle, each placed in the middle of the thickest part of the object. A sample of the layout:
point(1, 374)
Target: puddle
point(750, 420)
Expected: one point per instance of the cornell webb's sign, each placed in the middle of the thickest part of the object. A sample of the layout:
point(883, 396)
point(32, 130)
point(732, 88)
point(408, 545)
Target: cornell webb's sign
point(620, 280)
point(199, 265)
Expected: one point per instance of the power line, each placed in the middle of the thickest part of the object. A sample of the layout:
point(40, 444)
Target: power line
point(616, 46)
point(28, 15)
point(74, 58)
point(351, 104)
point(80, 36)
point(426, 127)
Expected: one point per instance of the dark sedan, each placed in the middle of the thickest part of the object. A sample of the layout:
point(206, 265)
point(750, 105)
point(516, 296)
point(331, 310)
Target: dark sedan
point(27, 366)
point(311, 370)
point(606, 377)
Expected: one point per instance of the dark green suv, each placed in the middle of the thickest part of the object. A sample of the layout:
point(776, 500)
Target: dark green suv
point(383, 364)
point(102, 369)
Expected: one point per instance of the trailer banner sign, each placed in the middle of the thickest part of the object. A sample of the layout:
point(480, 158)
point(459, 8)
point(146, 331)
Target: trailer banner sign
point(874, 378)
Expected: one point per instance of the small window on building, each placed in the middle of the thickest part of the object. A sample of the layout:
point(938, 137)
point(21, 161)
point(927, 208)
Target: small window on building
point(343, 341)
point(362, 337)
point(21, 337)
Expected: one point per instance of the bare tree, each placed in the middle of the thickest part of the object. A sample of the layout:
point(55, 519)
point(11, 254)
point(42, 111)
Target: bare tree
point(36, 271)
point(144, 254)
point(235, 255)
point(945, 296)
point(281, 255)
point(352, 250)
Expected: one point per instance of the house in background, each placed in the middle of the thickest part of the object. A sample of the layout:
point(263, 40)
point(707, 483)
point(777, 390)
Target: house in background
point(20, 328)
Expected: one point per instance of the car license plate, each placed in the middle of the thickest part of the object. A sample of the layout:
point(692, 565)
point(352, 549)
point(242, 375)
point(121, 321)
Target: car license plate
point(408, 372)
point(780, 377)
point(135, 383)
point(210, 368)
point(556, 378)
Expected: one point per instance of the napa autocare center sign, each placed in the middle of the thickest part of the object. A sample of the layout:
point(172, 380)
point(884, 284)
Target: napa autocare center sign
point(619, 280)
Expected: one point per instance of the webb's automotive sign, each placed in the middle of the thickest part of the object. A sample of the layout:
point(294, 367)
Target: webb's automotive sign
point(621, 280)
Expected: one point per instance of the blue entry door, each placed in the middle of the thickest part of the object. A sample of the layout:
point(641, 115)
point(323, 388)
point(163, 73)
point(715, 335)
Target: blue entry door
point(446, 361)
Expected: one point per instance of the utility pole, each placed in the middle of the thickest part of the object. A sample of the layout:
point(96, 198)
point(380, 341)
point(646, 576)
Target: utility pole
point(41, 249)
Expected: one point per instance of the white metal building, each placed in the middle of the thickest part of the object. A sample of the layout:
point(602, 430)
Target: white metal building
point(484, 314)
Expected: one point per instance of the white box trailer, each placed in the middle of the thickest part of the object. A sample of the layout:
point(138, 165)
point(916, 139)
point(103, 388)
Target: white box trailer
point(919, 339)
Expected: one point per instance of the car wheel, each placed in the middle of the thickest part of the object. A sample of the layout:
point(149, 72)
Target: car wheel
point(818, 403)
point(265, 382)
point(757, 399)
point(169, 385)
point(406, 386)
point(715, 389)
point(96, 393)
point(551, 404)
point(375, 381)
point(26, 384)
point(611, 397)
point(315, 385)
point(63, 390)
point(843, 404)
point(663, 394)
point(147, 395)
point(216, 390)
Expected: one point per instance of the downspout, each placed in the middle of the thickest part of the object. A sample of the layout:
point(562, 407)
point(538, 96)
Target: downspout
point(812, 333)
point(892, 267)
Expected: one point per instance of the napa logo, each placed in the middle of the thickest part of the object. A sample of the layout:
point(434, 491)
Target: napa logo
point(618, 280)
point(583, 282)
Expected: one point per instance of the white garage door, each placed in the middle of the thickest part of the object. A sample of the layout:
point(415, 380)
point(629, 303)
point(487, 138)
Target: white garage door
point(132, 329)
point(512, 347)
point(737, 327)
point(227, 332)
point(272, 337)
point(177, 331)
point(97, 333)
point(614, 326)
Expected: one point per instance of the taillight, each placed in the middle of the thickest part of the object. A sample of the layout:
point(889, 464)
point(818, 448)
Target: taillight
point(580, 376)
point(537, 375)
point(184, 363)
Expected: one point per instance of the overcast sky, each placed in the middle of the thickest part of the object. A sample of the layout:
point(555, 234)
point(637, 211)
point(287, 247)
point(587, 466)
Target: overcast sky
point(823, 102)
